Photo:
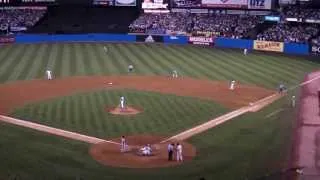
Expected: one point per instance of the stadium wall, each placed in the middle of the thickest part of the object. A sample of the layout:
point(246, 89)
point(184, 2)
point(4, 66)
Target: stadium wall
point(287, 48)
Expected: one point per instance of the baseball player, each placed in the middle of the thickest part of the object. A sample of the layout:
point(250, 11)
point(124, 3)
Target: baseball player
point(293, 101)
point(179, 152)
point(232, 85)
point(175, 74)
point(146, 150)
point(130, 68)
point(245, 51)
point(105, 49)
point(122, 102)
point(49, 74)
point(123, 144)
point(282, 88)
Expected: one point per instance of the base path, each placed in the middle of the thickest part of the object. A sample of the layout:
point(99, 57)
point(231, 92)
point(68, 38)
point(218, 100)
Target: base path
point(221, 119)
point(17, 94)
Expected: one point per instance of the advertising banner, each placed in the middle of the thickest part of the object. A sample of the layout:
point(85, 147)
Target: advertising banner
point(207, 41)
point(225, 3)
point(268, 46)
point(315, 50)
point(7, 39)
point(149, 38)
point(259, 4)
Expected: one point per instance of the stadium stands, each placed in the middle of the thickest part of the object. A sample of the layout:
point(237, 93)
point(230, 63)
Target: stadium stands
point(19, 19)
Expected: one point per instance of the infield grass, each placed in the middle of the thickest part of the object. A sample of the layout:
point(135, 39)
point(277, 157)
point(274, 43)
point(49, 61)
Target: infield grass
point(86, 113)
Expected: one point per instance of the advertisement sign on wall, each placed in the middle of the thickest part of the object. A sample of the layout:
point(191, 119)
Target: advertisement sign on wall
point(207, 41)
point(315, 50)
point(225, 3)
point(259, 4)
point(268, 46)
point(149, 38)
point(7, 39)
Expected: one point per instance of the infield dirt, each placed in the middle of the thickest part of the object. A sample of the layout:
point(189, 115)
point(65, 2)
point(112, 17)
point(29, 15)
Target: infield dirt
point(15, 94)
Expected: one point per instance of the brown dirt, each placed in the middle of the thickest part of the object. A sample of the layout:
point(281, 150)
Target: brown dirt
point(128, 111)
point(109, 154)
point(17, 94)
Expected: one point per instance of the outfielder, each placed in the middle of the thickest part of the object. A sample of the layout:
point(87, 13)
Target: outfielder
point(245, 51)
point(49, 74)
point(175, 74)
point(293, 101)
point(232, 85)
point(179, 152)
point(122, 102)
point(130, 68)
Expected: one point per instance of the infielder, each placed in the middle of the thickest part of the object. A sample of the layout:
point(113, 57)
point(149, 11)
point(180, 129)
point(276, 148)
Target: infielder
point(179, 152)
point(49, 74)
point(232, 85)
point(245, 51)
point(293, 101)
point(130, 68)
point(123, 144)
point(146, 150)
point(175, 74)
point(122, 103)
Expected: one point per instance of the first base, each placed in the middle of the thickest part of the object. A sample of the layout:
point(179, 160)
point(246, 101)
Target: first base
point(110, 83)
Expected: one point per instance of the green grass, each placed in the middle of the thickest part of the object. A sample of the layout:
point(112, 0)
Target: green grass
point(23, 62)
point(247, 147)
point(86, 113)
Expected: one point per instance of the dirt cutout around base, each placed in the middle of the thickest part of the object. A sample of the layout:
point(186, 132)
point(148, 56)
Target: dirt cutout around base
point(110, 155)
point(127, 111)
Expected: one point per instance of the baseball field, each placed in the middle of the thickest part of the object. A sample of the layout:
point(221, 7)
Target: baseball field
point(223, 136)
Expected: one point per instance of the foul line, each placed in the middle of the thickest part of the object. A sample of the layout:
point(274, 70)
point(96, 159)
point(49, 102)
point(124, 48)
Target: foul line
point(54, 131)
point(226, 117)
point(219, 120)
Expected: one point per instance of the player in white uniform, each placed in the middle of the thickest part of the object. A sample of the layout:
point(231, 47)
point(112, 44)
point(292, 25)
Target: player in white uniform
point(146, 150)
point(179, 152)
point(232, 85)
point(49, 75)
point(245, 51)
point(175, 74)
point(122, 102)
point(130, 68)
point(123, 144)
point(293, 101)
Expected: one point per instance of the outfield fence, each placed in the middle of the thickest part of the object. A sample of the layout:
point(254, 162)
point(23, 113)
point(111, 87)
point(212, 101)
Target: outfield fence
point(287, 48)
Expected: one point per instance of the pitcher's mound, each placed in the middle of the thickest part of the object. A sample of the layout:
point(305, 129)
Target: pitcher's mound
point(109, 154)
point(127, 111)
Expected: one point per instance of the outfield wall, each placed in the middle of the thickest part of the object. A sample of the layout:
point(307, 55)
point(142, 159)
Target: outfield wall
point(287, 48)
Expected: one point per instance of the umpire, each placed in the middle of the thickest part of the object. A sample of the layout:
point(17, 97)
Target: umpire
point(170, 152)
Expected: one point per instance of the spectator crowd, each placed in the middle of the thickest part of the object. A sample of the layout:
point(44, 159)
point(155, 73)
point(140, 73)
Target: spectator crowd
point(234, 26)
point(19, 18)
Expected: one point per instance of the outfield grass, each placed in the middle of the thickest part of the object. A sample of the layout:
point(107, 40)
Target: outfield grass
point(22, 62)
point(163, 115)
point(248, 146)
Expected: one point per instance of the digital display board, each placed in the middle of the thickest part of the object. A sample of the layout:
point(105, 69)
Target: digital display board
point(125, 2)
point(155, 6)
point(70, 2)
point(242, 4)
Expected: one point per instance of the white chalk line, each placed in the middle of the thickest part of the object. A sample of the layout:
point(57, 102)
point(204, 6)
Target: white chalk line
point(274, 113)
point(94, 140)
point(54, 131)
point(217, 121)
point(226, 117)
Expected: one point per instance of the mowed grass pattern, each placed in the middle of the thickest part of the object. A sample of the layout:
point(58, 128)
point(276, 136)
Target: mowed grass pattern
point(247, 147)
point(86, 113)
point(23, 62)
